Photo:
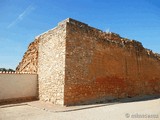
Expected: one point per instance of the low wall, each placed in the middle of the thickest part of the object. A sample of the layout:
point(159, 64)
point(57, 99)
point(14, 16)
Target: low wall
point(17, 87)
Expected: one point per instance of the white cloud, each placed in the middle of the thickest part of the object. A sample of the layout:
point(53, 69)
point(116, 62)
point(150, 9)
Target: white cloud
point(21, 16)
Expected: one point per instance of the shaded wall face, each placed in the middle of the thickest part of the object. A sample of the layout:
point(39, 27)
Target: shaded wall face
point(51, 65)
point(18, 87)
point(99, 70)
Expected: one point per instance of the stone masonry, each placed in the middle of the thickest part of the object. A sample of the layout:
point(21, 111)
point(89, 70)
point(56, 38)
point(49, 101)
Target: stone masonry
point(79, 64)
point(29, 61)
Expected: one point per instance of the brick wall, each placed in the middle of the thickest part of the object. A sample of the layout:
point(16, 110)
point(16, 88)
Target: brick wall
point(102, 66)
point(77, 63)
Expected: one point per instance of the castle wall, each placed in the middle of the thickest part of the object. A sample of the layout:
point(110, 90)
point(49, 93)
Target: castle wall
point(102, 66)
point(51, 65)
point(79, 64)
point(30, 59)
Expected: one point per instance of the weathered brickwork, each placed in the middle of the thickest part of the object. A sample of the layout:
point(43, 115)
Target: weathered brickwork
point(79, 64)
point(101, 66)
point(30, 59)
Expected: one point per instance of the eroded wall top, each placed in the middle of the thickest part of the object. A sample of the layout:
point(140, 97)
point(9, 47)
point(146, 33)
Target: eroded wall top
point(30, 58)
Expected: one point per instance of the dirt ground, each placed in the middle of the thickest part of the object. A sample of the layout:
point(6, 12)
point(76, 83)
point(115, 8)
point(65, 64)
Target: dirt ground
point(37, 110)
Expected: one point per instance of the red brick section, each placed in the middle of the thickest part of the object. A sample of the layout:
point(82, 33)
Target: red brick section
point(100, 66)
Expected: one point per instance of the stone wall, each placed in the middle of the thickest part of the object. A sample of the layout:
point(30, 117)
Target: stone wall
point(77, 64)
point(51, 65)
point(30, 59)
point(102, 66)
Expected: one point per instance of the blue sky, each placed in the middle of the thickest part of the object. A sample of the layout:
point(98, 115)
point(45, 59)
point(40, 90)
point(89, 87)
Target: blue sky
point(22, 20)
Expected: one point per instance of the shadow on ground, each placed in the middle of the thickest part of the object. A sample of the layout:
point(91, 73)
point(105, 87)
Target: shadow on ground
point(114, 101)
point(56, 108)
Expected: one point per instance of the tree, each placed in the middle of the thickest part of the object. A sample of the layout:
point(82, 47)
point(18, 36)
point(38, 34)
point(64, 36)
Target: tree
point(7, 70)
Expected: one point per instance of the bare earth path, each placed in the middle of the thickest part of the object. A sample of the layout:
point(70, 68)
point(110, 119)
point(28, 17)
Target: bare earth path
point(143, 110)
